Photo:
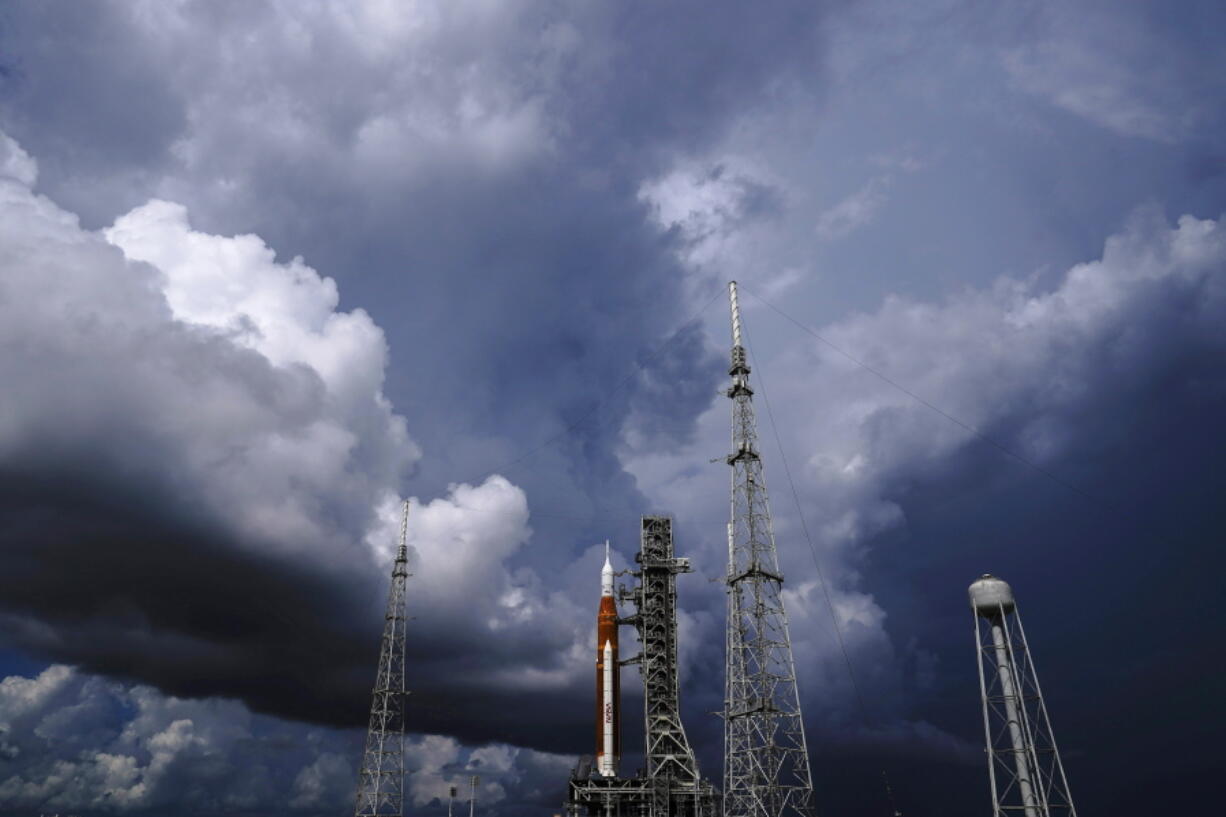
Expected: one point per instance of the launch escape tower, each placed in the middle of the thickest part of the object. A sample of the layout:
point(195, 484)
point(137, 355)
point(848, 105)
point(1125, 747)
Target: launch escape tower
point(670, 785)
point(1024, 766)
point(766, 759)
point(381, 778)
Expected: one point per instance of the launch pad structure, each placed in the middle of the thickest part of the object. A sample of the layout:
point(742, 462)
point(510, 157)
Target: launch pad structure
point(670, 784)
point(766, 770)
point(766, 758)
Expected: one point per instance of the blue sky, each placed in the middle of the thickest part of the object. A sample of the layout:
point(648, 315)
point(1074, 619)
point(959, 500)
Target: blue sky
point(268, 268)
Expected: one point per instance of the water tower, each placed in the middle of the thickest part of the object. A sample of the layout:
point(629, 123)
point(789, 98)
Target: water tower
point(1024, 766)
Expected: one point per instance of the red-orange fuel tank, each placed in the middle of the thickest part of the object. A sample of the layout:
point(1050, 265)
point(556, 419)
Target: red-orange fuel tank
point(606, 632)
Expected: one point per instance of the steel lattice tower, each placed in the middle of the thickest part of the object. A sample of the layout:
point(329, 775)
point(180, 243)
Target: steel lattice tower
point(381, 779)
point(766, 760)
point(668, 752)
point(1024, 766)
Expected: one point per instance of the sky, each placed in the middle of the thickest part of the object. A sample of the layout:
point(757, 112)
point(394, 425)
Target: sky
point(269, 269)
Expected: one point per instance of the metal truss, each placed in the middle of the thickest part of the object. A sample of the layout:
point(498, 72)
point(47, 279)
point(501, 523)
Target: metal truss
point(597, 796)
point(668, 752)
point(381, 778)
point(766, 759)
point(1024, 765)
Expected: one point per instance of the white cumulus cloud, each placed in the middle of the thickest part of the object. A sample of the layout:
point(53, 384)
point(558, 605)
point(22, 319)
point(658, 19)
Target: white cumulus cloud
point(264, 401)
point(223, 421)
point(75, 742)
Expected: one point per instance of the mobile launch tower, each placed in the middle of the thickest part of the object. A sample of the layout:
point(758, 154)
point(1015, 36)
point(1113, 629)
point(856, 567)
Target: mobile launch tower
point(1024, 766)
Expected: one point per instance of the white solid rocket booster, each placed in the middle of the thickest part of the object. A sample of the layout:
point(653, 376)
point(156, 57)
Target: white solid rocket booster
point(607, 767)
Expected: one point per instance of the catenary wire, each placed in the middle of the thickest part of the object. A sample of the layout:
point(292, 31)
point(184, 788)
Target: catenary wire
point(821, 578)
point(967, 426)
point(804, 525)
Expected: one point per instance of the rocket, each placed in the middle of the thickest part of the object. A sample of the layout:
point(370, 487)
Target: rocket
point(608, 677)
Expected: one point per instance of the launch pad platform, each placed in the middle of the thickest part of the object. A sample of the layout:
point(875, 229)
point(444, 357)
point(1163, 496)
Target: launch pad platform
point(594, 795)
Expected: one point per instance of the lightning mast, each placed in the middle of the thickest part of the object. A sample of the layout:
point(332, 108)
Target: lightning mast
point(1024, 766)
point(766, 759)
point(381, 779)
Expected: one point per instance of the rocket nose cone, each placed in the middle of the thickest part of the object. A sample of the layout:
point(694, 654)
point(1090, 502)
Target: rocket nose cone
point(606, 574)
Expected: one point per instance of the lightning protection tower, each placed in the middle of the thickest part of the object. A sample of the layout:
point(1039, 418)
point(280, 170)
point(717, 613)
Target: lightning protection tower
point(1024, 766)
point(766, 759)
point(381, 779)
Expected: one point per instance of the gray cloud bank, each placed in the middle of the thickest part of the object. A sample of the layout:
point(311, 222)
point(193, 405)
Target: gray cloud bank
point(201, 478)
point(1029, 364)
point(1104, 380)
point(148, 452)
point(199, 456)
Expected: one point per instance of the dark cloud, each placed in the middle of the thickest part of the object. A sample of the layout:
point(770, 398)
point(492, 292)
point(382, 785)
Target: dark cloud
point(201, 477)
point(155, 597)
point(530, 202)
point(1105, 383)
point(153, 467)
point(479, 171)
point(201, 482)
point(1094, 565)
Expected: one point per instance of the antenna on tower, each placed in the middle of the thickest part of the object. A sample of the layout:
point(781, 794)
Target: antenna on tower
point(1024, 766)
point(381, 779)
point(766, 759)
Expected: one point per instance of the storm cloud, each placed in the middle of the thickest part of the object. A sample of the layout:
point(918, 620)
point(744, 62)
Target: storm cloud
point(278, 266)
point(208, 461)
point(1024, 400)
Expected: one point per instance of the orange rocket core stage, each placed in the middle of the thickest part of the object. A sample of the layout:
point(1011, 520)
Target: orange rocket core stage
point(606, 632)
point(608, 707)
